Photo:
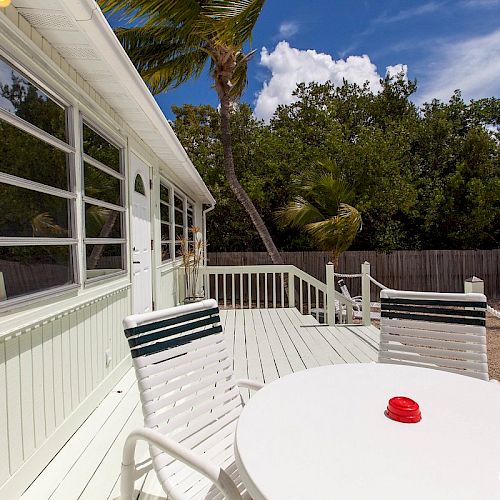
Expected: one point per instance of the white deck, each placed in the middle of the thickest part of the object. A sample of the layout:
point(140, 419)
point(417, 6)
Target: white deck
point(266, 344)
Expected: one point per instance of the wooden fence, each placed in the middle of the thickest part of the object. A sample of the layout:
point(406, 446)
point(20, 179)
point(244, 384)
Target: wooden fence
point(426, 270)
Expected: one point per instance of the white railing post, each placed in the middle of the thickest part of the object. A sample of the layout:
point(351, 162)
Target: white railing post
point(365, 293)
point(291, 289)
point(474, 285)
point(330, 293)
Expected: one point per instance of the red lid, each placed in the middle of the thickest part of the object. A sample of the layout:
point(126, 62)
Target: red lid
point(403, 409)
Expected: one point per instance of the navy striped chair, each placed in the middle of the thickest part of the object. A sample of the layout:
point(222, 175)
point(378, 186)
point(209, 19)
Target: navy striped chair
point(190, 401)
point(444, 331)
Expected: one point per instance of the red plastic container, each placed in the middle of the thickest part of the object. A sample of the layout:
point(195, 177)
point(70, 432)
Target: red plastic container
point(403, 409)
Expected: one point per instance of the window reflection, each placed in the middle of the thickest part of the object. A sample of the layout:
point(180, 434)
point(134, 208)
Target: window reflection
point(24, 99)
point(27, 213)
point(29, 269)
point(102, 222)
point(100, 148)
point(102, 186)
point(23, 155)
point(103, 259)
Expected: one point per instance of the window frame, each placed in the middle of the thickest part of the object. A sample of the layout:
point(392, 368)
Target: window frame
point(70, 150)
point(174, 191)
point(85, 120)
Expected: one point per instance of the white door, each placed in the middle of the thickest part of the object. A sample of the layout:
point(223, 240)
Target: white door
point(142, 283)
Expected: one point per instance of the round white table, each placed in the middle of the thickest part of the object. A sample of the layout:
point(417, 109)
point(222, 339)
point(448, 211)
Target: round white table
point(322, 434)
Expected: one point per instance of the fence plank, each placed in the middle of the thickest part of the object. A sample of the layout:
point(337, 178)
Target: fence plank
point(426, 270)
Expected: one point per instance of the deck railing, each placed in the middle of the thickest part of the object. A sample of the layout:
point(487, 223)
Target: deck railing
point(271, 286)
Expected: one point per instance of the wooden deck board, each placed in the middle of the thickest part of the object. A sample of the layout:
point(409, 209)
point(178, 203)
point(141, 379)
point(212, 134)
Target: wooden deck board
point(265, 343)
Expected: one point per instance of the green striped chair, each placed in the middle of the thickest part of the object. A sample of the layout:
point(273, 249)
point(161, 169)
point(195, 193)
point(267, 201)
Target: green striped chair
point(444, 331)
point(190, 401)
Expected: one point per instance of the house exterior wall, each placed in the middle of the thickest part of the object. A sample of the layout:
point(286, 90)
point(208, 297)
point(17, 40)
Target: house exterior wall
point(62, 353)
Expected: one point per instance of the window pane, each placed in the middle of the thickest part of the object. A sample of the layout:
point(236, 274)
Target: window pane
point(179, 232)
point(190, 221)
point(165, 252)
point(25, 156)
point(102, 186)
point(24, 212)
point(178, 250)
point(178, 202)
point(103, 259)
point(165, 213)
point(139, 185)
point(179, 217)
point(30, 269)
point(100, 149)
point(164, 194)
point(22, 98)
point(102, 223)
point(165, 232)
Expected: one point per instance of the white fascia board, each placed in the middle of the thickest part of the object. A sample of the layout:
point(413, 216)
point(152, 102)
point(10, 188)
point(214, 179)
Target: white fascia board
point(92, 21)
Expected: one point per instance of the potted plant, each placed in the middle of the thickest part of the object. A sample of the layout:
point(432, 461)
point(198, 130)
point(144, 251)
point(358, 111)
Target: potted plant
point(192, 257)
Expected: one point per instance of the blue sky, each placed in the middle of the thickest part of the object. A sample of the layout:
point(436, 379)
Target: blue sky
point(445, 45)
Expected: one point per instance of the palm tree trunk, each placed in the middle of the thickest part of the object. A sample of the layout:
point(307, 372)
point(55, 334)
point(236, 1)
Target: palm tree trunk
point(236, 187)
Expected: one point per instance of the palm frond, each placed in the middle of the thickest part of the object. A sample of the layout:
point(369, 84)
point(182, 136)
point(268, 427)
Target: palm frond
point(299, 213)
point(150, 11)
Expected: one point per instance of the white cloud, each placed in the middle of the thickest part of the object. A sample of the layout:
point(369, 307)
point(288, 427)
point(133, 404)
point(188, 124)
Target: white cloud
point(287, 29)
point(290, 66)
point(472, 66)
point(396, 70)
point(480, 3)
point(426, 8)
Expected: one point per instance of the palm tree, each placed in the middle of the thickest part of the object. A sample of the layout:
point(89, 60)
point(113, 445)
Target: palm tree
point(174, 42)
point(323, 209)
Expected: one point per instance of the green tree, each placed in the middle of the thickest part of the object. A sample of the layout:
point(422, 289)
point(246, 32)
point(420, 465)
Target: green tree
point(176, 40)
point(322, 208)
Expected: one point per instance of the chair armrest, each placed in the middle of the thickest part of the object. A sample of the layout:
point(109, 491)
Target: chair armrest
point(213, 472)
point(249, 384)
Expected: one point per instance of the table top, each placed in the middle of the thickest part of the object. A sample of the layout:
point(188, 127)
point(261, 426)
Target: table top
point(322, 434)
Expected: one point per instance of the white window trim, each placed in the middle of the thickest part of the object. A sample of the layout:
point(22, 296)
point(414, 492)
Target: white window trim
point(174, 191)
point(84, 120)
point(67, 148)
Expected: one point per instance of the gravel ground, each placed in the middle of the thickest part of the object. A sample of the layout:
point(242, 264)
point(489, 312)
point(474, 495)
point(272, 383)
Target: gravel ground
point(493, 333)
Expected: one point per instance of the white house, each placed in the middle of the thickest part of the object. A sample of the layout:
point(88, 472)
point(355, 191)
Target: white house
point(95, 188)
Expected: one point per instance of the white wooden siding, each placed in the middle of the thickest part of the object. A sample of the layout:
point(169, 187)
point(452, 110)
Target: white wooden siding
point(47, 371)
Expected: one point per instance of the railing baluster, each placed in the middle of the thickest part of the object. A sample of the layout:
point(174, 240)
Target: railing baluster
point(241, 290)
point(309, 299)
point(233, 293)
point(216, 286)
point(317, 304)
point(274, 289)
point(301, 296)
point(249, 277)
point(291, 290)
point(209, 275)
point(266, 284)
point(224, 295)
point(257, 276)
point(282, 289)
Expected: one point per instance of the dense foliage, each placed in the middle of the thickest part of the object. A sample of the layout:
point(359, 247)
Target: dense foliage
point(423, 178)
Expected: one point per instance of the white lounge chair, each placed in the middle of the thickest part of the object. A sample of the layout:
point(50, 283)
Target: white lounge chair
point(357, 303)
point(190, 401)
point(444, 331)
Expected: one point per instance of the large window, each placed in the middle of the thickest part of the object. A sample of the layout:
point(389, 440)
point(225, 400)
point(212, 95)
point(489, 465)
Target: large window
point(176, 217)
point(37, 198)
point(104, 204)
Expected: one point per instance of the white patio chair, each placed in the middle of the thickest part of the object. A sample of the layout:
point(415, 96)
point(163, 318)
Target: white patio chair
point(357, 302)
point(190, 401)
point(444, 331)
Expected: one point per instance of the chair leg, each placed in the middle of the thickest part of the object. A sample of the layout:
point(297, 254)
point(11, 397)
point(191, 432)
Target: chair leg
point(128, 473)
